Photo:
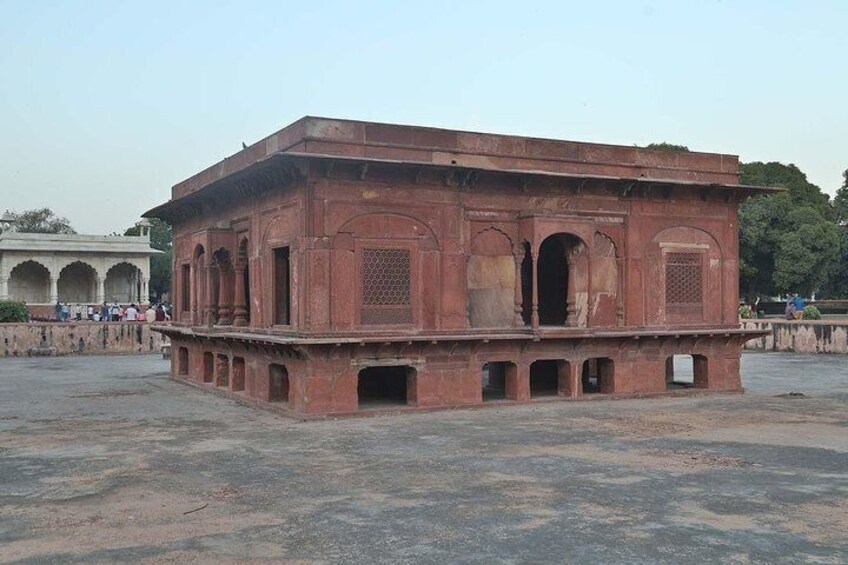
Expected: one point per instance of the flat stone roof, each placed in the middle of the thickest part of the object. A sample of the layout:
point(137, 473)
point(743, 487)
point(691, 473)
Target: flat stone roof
point(76, 243)
point(433, 146)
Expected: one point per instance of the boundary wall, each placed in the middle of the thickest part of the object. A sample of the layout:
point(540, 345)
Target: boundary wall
point(74, 338)
point(802, 336)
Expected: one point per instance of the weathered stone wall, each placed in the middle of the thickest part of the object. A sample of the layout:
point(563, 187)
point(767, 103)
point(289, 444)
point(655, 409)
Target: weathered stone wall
point(808, 336)
point(79, 338)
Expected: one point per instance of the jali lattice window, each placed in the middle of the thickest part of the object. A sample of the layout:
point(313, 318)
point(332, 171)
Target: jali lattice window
point(683, 278)
point(386, 287)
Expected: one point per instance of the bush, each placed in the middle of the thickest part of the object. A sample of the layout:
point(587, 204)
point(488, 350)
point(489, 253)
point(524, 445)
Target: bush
point(12, 311)
point(745, 312)
point(811, 313)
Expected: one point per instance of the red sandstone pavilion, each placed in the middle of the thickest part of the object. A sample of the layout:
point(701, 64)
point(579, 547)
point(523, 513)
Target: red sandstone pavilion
point(339, 266)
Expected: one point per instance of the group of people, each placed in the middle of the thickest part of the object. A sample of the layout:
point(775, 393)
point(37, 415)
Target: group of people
point(794, 306)
point(110, 313)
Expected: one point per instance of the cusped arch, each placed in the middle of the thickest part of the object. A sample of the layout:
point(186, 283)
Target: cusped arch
point(29, 281)
point(491, 241)
point(604, 245)
point(181, 252)
point(122, 283)
point(197, 251)
point(78, 282)
point(683, 235)
point(389, 225)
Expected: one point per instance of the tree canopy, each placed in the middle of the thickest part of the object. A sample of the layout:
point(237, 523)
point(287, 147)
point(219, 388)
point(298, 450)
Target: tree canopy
point(41, 220)
point(788, 242)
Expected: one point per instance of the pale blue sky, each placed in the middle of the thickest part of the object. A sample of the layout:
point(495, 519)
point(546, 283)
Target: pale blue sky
point(105, 105)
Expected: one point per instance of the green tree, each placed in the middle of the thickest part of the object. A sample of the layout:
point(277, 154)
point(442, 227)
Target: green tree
point(837, 285)
point(13, 311)
point(789, 242)
point(41, 220)
point(161, 238)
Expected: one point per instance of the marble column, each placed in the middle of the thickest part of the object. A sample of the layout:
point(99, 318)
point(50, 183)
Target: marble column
point(54, 290)
point(101, 290)
point(4, 288)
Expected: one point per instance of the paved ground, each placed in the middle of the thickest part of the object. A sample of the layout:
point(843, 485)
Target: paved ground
point(107, 460)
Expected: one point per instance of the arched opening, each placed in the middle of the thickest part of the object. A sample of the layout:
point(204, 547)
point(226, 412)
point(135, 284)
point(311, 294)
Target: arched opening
point(549, 377)
point(78, 284)
point(208, 367)
point(378, 387)
point(238, 374)
point(182, 361)
point(30, 282)
point(686, 371)
point(222, 371)
point(123, 284)
point(555, 279)
point(278, 383)
point(494, 378)
point(597, 376)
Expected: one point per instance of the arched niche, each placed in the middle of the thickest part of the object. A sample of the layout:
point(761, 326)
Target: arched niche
point(391, 226)
point(562, 281)
point(605, 281)
point(490, 276)
point(683, 274)
point(78, 283)
point(29, 282)
point(122, 284)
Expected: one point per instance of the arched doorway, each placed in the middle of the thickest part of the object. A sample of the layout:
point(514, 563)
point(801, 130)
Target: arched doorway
point(30, 282)
point(556, 279)
point(78, 284)
point(123, 284)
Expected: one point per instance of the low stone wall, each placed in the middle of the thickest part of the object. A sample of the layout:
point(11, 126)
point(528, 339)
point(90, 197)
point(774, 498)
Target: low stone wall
point(74, 338)
point(803, 336)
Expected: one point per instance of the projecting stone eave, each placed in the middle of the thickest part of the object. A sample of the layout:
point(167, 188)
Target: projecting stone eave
point(76, 243)
point(286, 167)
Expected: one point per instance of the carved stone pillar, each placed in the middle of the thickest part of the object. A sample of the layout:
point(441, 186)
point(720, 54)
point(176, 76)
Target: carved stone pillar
point(619, 293)
point(145, 292)
point(570, 301)
point(239, 302)
point(518, 320)
point(4, 288)
point(224, 310)
point(534, 317)
point(192, 294)
point(211, 304)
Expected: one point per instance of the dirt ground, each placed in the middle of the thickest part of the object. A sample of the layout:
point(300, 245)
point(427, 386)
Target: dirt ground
point(106, 460)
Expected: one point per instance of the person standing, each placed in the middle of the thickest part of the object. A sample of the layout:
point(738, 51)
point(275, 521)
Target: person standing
point(799, 306)
point(130, 313)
